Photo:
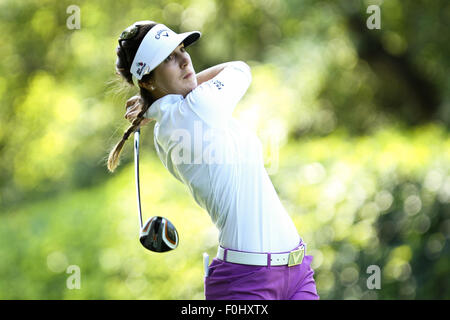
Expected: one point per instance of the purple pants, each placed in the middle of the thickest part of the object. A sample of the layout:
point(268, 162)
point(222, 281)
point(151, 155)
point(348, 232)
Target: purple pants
point(231, 281)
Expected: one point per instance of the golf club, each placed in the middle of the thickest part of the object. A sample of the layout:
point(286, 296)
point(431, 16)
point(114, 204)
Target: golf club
point(158, 234)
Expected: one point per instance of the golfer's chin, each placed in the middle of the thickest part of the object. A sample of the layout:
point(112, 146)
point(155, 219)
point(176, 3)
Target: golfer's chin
point(189, 87)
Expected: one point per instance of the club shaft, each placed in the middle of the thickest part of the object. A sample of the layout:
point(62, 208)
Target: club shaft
point(136, 166)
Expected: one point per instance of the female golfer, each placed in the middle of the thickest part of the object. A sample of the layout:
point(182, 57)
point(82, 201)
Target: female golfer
point(260, 254)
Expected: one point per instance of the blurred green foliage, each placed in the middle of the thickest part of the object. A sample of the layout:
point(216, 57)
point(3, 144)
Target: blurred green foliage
point(354, 123)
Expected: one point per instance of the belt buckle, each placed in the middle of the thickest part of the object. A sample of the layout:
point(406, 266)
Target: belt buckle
point(296, 256)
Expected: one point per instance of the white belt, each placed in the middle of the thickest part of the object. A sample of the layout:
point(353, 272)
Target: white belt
point(291, 258)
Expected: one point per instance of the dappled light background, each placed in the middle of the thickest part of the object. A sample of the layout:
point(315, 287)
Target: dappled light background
point(354, 124)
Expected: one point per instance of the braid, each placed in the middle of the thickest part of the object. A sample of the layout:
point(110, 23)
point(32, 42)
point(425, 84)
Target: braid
point(135, 124)
point(125, 53)
point(114, 155)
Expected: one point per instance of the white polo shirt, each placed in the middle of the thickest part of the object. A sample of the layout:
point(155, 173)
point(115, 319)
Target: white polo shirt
point(221, 162)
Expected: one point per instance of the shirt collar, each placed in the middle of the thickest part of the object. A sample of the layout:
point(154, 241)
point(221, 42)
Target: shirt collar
point(160, 106)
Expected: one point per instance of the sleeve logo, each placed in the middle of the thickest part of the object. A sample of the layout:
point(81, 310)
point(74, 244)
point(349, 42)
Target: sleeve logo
point(218, 84)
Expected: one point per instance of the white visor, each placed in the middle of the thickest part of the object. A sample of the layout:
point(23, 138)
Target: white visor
point(157, 45)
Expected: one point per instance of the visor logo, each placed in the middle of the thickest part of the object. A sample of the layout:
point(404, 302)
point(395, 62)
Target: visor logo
point(141, 66)
point(163, 33)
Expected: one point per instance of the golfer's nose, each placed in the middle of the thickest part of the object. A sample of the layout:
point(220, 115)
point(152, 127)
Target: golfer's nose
point(184, 61)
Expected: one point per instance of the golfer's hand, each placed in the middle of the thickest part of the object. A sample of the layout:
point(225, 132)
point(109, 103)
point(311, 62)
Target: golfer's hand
point(134, 107)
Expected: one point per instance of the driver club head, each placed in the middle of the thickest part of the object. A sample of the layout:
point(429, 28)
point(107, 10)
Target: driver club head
point(159, 235)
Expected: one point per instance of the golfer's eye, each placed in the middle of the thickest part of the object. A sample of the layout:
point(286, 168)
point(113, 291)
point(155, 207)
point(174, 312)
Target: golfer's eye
point(169, 58)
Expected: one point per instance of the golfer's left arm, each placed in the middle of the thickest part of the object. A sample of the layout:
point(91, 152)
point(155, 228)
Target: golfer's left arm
point(212, 72)
point(222, 88)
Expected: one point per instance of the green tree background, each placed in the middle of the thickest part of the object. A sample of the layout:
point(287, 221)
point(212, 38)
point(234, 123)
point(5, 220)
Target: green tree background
point(354, 124)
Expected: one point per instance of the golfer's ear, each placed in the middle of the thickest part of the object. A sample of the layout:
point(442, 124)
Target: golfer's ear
point(149, 85)
point(148, 81)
